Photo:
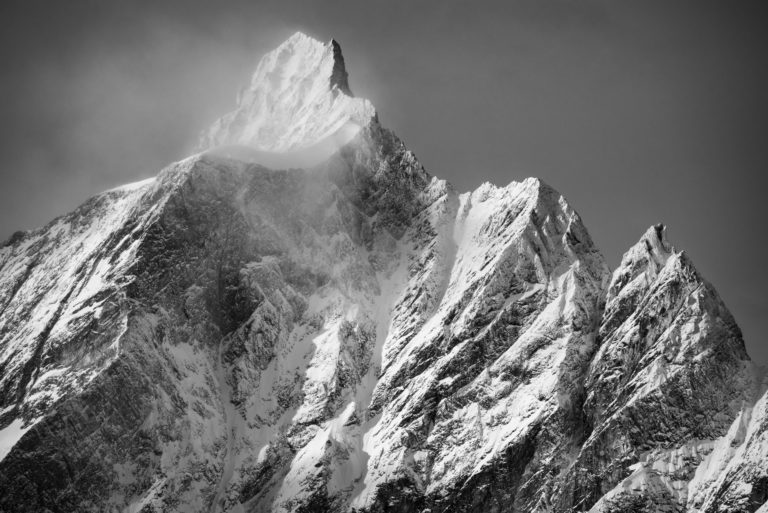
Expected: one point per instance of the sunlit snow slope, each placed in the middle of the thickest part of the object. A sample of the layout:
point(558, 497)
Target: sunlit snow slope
point(301, 319)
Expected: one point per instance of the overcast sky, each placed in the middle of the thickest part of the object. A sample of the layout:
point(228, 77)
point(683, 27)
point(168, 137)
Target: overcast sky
point(638, 112)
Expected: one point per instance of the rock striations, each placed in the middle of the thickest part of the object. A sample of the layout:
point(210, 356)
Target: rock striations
point(245, 334)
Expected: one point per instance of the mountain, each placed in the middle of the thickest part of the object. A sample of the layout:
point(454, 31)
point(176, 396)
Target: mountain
point(300, 318)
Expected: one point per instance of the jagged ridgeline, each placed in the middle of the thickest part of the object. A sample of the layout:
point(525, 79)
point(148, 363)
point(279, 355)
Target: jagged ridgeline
point(300, 318)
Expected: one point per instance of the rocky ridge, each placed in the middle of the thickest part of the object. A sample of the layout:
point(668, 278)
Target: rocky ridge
point(301, 318)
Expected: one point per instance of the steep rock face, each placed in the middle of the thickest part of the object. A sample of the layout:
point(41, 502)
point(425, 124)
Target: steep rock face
point(478, 388)
point(236, 274)
point(670, 376)
point(734, 477)
point(60, 283)
point(301, 319)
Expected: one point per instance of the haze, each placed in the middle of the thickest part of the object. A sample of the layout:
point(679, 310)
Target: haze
point(638, 112)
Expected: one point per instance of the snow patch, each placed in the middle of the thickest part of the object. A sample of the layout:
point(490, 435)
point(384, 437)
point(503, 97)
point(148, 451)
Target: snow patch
point(11, 434)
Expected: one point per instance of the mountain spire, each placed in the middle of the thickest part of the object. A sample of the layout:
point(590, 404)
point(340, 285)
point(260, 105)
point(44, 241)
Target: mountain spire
point(339, 76)
point(298, 96)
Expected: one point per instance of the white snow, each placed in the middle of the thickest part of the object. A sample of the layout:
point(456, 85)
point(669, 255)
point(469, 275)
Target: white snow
point(128, 187)
point(64, 274)
point(11, 434)
point(301, 158)
point(291, 103)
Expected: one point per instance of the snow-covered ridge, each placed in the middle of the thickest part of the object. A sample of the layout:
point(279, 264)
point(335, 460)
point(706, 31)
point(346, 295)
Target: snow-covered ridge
point(274, 325)
point(298, 97)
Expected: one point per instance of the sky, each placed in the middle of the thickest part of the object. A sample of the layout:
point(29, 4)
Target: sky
point(639, 112)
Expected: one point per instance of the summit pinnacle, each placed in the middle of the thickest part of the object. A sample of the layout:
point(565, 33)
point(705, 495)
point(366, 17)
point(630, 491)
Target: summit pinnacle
point(298, 96)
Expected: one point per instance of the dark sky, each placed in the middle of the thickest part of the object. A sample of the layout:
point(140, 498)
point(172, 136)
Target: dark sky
point(639, 112)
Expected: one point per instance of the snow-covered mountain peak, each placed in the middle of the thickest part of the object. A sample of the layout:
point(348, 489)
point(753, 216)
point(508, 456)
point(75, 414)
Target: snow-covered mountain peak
point(283, 325)
point(300, 53)
point(657, 237)
point(298, 98)
point(652, 245)
point(645, 259)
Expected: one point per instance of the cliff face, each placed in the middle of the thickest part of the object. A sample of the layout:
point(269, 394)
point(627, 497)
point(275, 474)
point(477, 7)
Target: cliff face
point(300, 318)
